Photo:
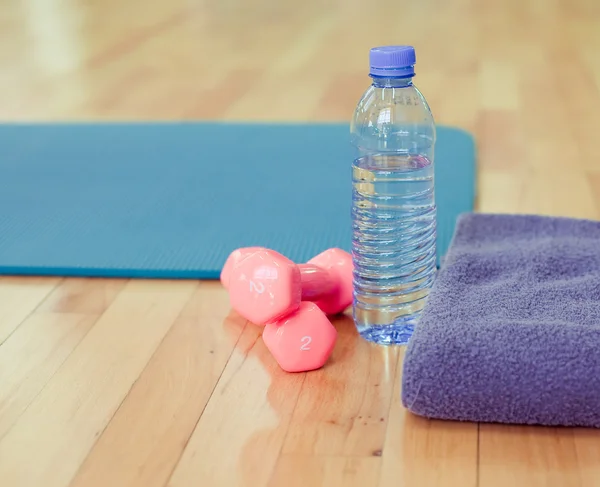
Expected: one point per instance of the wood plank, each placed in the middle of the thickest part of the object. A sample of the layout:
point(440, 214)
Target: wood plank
point(144, 441)
point(344, 410)
point(341, 96)
point(31, 356)
point(19, 297)
point(565, 193)
point(427, 453)
point(83, 296)
point(501, 125)
point(36, 350)
point(303, 47)
point(305, 89)
point(240, 434)
point(325, 471)
point(594, 180)
point(503, 190)
point(529, 455)
point(587, 449)
point(498, 85)
point(581, 98)
point(460, 106)
point(84, 394)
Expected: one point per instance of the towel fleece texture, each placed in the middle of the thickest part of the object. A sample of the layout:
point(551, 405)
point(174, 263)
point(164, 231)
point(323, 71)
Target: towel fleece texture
point(511, 330)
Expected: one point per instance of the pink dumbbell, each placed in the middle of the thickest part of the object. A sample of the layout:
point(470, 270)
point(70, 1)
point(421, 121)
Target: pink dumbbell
point(265, 286)
point(301, 341)
point(234, 258)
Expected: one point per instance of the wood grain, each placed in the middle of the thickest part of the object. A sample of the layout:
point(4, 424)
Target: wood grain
point(154, 383)
point(32, 355)
point(82, 296)
point(419, 451)
point(145, 438)
point(343, 410)
point(85, 392)
point(538, 456)
point(246, 425)
point(323, 471)
point(19, 297)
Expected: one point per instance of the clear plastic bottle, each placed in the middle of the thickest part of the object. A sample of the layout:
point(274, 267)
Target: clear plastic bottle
point(393, 211)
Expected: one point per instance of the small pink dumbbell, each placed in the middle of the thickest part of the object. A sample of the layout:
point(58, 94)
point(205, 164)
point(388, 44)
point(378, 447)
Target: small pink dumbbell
point(265, 286)
point(301, 341)
point(234, 258)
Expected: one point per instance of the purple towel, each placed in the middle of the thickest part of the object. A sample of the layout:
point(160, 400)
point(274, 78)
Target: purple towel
point(511, 330)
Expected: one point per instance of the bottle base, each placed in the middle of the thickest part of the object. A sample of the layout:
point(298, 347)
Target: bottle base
point(391, 324)
point(396, 333)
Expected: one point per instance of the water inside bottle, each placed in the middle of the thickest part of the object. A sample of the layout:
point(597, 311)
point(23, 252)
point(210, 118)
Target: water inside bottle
point(394, 239)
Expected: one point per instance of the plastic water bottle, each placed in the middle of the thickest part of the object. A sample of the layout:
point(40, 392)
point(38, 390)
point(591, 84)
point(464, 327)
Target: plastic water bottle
point(393, 211)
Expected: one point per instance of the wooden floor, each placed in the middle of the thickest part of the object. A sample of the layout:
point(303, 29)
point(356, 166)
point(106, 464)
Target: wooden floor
point(113, 383)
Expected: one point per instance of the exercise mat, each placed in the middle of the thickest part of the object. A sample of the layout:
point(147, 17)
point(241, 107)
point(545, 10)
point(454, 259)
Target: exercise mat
point(172, 200)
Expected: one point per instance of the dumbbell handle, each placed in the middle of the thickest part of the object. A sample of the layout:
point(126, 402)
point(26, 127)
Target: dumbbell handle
point(316, 282)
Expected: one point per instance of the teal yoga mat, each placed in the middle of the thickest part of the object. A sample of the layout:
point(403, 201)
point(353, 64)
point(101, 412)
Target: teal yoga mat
point(172, 200)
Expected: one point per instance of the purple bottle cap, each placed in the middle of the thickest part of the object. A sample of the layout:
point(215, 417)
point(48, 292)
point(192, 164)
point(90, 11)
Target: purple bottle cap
point(392, 61)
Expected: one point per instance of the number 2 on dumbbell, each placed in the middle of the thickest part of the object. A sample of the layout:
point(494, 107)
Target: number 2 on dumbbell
point(303, 340)
point(305, 343)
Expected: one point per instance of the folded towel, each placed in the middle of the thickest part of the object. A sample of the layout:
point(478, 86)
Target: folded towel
point(511, 330)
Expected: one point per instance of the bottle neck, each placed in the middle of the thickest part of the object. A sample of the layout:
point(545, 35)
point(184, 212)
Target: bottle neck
point(392, 82)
